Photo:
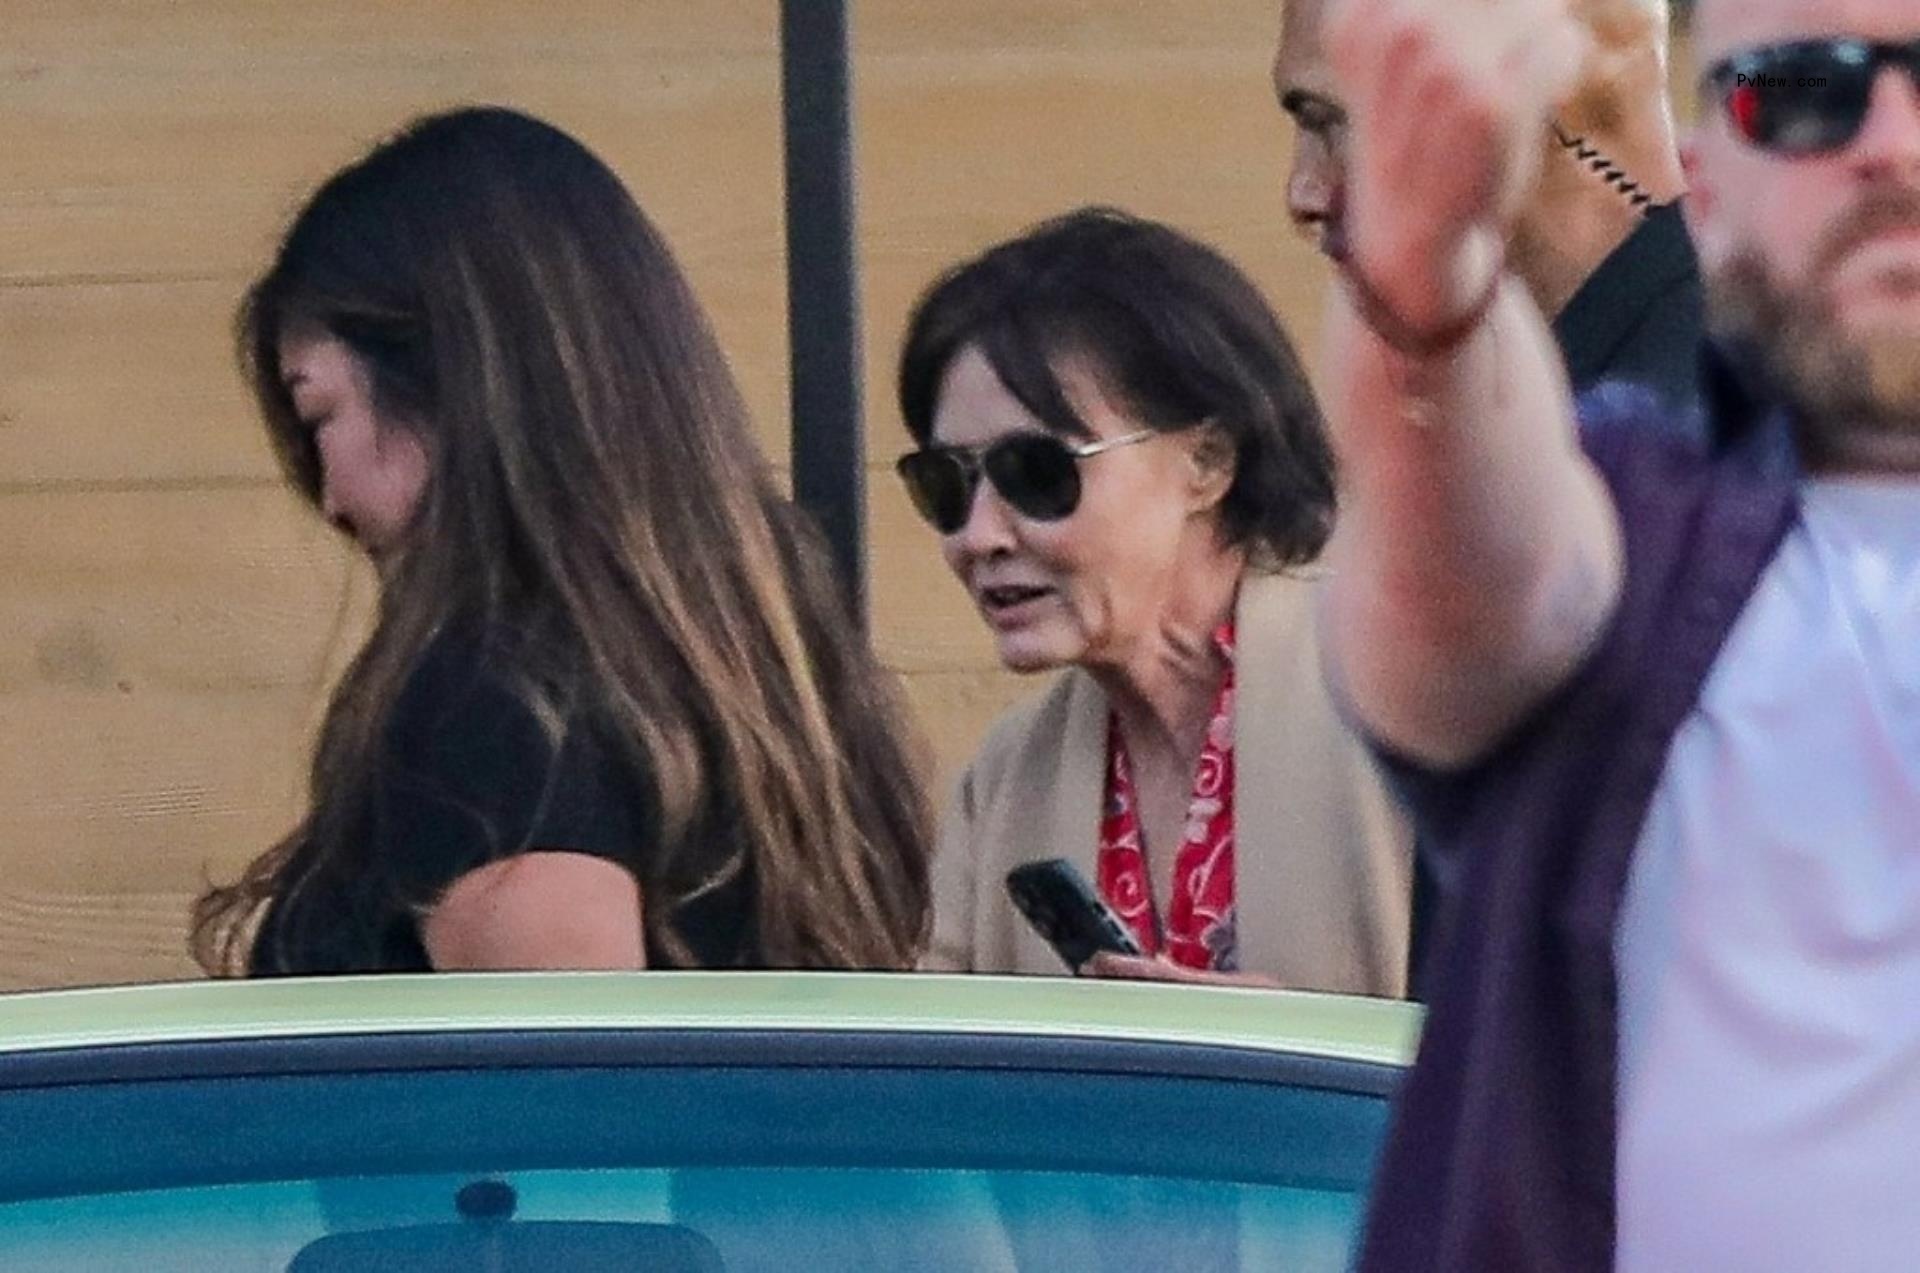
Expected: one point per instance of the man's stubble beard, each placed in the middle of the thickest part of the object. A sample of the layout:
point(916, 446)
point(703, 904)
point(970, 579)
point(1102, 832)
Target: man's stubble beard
point(1854, 395)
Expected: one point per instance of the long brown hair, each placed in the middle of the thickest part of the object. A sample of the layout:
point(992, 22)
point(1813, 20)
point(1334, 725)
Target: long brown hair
point(596, 485)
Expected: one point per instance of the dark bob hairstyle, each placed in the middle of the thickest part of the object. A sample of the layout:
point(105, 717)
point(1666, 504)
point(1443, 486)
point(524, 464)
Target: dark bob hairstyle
point(1169, 327)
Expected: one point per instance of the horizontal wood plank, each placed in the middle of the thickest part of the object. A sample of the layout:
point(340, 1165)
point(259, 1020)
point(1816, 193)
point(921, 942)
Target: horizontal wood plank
point(179, 590)
point(995, 30)
point(136, 383)
point(964, 704)
point(130, 146)
point(129, 790)
point(93, 937)
point(244, 588)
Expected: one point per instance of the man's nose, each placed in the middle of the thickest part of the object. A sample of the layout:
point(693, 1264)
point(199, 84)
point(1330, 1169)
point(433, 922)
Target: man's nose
point(1889, 140)
point(1313, 190)
point(1309, 198)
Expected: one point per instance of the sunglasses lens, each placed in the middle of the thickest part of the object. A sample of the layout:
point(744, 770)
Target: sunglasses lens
point(1801, 99)
point(1036, 474)
point(941, 488)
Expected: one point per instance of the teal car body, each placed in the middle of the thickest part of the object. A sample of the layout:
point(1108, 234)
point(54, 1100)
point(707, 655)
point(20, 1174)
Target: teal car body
point(689, 1120)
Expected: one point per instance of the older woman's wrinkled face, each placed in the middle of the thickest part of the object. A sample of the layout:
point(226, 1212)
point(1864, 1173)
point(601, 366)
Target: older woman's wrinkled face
point(1083, 589)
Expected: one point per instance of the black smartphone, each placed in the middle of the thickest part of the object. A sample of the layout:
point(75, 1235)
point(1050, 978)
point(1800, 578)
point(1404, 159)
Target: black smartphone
point(1063, 908)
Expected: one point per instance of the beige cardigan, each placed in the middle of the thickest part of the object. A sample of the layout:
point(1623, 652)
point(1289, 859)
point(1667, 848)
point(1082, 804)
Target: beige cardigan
point(1322, 860)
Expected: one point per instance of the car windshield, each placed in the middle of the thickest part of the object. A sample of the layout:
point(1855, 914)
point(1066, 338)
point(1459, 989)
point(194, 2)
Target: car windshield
point(751, 1218)
point(1112, 1158)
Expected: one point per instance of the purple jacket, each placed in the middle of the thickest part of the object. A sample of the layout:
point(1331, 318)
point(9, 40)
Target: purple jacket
point(1501, 1155)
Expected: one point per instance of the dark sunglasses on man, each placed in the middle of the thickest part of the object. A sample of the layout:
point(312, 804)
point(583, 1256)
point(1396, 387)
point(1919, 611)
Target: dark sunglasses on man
point(1037, 474)
point(1806, 97)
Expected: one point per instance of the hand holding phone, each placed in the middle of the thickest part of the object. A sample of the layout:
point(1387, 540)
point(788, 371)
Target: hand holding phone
point(1064, 909)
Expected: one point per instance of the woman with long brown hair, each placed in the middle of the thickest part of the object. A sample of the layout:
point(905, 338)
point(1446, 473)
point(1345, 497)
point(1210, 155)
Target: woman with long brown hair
point(613, 712)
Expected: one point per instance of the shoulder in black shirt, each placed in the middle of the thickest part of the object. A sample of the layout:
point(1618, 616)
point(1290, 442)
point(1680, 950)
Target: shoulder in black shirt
point(1641, 316)
point(468, 776)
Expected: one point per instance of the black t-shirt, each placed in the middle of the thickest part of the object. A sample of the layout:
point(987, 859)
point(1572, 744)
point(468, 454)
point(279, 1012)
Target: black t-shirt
point(467, 777)
point(1641, 316)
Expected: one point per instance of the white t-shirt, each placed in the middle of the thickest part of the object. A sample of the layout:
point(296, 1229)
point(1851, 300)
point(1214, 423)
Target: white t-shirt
point(1769, 941)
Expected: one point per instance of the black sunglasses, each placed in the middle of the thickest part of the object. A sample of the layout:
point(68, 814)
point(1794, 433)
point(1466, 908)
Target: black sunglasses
point(1808, 97)
point(1036, 473)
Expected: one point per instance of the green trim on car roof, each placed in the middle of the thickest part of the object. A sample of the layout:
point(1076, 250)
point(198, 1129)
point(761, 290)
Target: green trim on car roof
point(1374, 1030)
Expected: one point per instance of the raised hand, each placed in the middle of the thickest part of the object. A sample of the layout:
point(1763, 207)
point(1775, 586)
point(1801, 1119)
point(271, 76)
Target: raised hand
point(1447, 103)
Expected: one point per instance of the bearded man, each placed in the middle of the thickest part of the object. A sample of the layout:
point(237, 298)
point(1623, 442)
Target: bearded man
point(1658, 702)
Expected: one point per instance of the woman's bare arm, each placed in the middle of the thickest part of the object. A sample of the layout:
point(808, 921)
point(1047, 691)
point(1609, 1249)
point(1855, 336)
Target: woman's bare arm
point(541, 910)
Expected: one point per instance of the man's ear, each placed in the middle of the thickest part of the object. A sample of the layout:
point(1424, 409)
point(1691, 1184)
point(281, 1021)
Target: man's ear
point(1213, 460)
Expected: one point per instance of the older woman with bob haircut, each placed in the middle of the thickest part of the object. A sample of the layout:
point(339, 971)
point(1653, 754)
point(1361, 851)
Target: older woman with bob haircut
point(1129, 475)
point(614, 713)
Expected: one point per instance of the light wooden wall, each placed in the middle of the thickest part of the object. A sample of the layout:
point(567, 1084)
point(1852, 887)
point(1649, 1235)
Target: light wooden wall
point(170, 618)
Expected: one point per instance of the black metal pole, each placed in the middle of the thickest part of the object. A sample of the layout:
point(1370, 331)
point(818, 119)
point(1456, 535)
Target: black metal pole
point(823, 312)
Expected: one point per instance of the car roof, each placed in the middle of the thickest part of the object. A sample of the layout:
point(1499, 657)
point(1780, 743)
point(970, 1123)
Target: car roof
point(1376, 1031)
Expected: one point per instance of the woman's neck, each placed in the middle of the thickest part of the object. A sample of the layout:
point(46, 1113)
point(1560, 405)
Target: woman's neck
point(1163, 690)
